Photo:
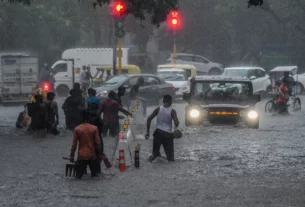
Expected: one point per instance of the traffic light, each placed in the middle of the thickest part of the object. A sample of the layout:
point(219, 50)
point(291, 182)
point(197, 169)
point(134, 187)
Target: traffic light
point(119, 29)
point(174, 20)
point(118, 8)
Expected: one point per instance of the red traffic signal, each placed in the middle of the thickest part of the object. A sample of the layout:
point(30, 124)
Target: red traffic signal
point(118, 8)
point(46, 86)
point(174, 20)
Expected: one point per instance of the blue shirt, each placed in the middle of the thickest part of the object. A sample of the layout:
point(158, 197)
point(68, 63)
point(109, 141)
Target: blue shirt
point(93, 99)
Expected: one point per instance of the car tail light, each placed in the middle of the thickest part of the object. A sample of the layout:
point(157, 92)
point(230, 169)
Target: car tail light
point(172, 86)
point(46, 86)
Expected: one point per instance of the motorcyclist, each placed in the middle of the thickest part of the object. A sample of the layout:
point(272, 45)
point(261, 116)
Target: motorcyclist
point(47, 76)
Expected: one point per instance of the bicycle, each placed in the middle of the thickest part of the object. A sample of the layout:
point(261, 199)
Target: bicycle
point(294, 103)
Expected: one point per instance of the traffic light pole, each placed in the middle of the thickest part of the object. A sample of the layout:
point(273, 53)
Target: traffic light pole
point(118, 11)
point(119, 54)
point(175, 48)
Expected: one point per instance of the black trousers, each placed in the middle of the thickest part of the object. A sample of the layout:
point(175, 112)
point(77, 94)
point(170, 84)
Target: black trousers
point(81, 166)
point(72, 122)
point(113, 129)
point(167, 141)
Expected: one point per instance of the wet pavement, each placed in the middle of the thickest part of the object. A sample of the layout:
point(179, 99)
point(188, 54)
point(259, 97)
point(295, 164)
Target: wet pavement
point(215, 166)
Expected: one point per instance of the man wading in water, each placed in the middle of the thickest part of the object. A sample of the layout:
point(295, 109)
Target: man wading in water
point(163, 134)
point(110, 109)
point(86, 138)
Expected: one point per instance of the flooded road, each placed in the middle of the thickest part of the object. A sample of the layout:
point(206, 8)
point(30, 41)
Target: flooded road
point(215, 166)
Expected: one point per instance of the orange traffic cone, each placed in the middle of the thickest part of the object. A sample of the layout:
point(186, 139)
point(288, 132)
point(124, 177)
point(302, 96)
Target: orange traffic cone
point(122, 161)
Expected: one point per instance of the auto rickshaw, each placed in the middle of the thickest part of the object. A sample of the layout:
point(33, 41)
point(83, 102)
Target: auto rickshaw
point(106, 72)
point(276, 76)
point(189, 69)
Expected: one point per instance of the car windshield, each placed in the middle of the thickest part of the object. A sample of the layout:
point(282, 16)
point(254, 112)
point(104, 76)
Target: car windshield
point(172, 75)
point(117, 80)
point(222, 90)
point(235, 72)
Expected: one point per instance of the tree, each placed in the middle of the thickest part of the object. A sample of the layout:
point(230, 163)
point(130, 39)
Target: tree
point(46, 27)
point(157, 10)
point(142, 31)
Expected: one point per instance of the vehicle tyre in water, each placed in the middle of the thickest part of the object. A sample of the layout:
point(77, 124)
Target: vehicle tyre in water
point(270, 107)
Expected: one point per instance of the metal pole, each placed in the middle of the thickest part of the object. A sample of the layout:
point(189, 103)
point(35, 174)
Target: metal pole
point(119, 55)
point(114, 46)
point(175, 49)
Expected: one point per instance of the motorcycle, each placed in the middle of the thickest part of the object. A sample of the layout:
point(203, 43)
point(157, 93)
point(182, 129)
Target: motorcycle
point(46, 86)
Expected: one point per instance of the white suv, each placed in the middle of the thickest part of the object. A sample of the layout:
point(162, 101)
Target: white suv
point(203, 65)
point(260, 80)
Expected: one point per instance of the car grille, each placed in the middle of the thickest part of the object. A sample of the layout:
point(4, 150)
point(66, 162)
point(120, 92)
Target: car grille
point(223, 111)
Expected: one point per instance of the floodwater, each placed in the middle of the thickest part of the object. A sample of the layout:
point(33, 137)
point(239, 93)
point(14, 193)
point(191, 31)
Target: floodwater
point(215, 166)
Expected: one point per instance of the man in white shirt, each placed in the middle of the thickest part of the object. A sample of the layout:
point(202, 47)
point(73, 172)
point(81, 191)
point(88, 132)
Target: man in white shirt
point(84, 79)
point(163, 134)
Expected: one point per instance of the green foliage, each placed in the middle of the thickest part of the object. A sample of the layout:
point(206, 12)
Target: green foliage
point(47, 27)
point(26, 2)
point(157, 10)
point(255, 2)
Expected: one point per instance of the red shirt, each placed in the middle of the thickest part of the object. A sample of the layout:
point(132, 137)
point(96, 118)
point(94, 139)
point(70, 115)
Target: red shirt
point(283, 89)
point(110, 109)
point(87, 137)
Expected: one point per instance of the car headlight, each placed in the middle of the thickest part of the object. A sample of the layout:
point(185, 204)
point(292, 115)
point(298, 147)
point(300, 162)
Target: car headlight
point(194, 113)
point(102, 94)
point(252, 114)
